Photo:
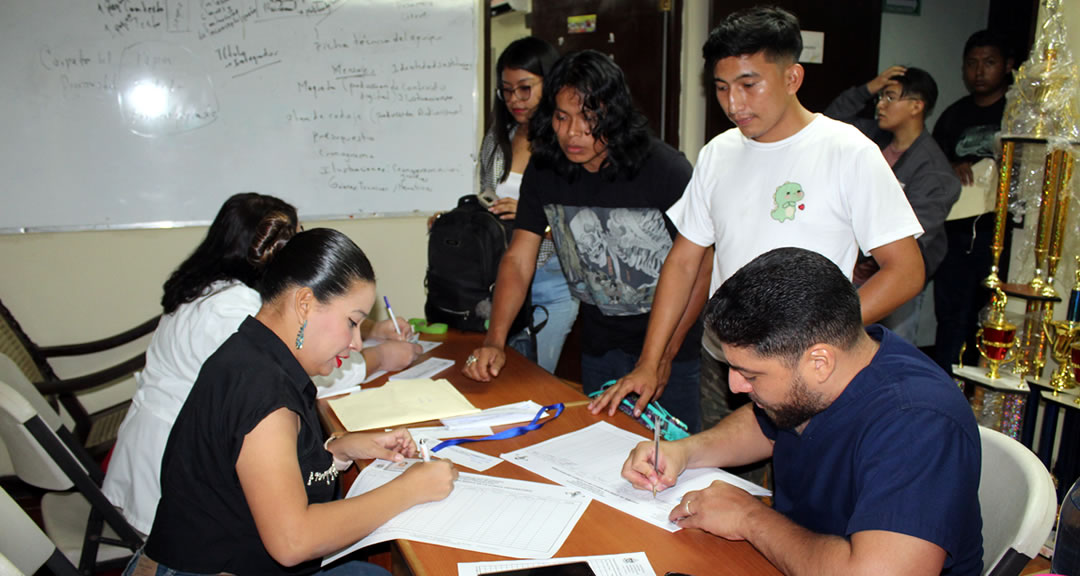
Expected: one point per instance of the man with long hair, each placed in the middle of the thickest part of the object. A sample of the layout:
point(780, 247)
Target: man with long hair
point(602, 184)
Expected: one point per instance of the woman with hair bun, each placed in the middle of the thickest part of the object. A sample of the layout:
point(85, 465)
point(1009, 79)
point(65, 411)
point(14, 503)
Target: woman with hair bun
point(204, 301)
point(248, 481)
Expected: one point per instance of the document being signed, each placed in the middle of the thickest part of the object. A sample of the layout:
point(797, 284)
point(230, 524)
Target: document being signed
point(591, 459)
point(484, 514)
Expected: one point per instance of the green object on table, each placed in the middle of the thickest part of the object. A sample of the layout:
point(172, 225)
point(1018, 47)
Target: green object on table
point(421, 325)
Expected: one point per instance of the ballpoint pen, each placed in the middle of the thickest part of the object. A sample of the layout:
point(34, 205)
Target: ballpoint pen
point(393, 319)
point(425, 453)
point(656, 451)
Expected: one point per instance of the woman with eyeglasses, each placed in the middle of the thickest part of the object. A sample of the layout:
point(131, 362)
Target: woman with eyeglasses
point(504, 154)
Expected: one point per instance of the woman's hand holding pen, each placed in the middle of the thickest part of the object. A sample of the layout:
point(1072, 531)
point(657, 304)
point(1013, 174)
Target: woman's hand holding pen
point(384, 330)
point(430, 481)
point(645, 470)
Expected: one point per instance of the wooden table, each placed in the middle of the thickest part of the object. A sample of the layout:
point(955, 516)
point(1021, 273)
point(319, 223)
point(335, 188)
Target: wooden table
point(602, 529)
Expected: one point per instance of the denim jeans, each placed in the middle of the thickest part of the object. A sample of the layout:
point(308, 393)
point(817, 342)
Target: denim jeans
point(681, 397)
point(904, 321)
point(549, 289)
point(341, 568)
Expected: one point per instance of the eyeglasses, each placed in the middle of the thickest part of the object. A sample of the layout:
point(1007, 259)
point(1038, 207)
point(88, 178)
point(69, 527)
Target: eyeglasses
point(522, 92)
point(889, 98)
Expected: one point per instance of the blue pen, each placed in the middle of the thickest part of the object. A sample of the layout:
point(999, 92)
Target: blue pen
point(392, 317)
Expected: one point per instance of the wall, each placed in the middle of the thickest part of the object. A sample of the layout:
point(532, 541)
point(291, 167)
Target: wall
point(934, 41)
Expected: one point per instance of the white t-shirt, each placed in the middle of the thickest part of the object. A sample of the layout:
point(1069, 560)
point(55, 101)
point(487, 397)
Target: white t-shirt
point(182, 342)
point(826, 188)
point(511, 187)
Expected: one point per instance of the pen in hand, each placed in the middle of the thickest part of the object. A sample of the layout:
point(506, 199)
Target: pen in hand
point(393, 319)
point(656, 451)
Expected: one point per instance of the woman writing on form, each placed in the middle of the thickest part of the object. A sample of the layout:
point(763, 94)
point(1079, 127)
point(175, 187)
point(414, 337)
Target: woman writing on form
point(247, 481)
point(204, 301)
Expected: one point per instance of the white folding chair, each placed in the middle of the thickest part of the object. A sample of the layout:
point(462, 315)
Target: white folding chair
point(24, 545)
point(83, 524)
point(1018, 504)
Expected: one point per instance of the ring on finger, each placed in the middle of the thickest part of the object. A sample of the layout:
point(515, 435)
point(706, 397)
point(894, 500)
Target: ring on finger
point(687, 506)
point(470, 360)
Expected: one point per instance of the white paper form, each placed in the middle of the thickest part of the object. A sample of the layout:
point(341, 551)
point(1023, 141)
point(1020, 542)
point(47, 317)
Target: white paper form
point(344, 380)
point(592, 458)
point(483, 514)
point(426, 369)
point(634, 564)
point(458, 455)
point(515, 413)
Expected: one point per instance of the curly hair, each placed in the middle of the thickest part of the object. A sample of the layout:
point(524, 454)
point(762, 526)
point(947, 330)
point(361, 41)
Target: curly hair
point(247, 232)
point(606, 96)
point(532, 55)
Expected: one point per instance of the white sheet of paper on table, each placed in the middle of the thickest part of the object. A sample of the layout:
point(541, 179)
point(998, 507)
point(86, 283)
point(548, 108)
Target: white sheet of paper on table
point(632, 564)
point(483, 513)
point(457, 454)
point(515, 413)
point(591, 459)
point(426, 369)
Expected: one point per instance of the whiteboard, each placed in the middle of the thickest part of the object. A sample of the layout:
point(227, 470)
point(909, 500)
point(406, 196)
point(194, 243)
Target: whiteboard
point(143, 113)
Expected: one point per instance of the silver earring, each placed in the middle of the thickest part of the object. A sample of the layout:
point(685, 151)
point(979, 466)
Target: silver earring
point(300, 336)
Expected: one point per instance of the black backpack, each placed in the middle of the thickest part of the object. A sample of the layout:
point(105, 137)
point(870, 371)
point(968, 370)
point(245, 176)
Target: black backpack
point(465, 246)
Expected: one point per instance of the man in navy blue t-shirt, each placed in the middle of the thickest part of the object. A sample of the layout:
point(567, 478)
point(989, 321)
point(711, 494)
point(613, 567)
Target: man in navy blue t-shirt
point(875, 451)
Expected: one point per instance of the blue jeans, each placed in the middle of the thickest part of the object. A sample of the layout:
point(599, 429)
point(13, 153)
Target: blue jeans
point(341, 568)
point(681, 397)
point(549, 289)
point(904, 321)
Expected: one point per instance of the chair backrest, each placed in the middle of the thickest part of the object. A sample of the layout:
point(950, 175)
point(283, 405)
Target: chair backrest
point(31, 461)
point(21, 540)
point(1018, 503)
point(15, 344)
point(12, 375)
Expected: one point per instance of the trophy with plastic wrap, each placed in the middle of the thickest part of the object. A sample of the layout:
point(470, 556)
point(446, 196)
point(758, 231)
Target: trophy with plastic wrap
point(996, 338)
point(1064, 338)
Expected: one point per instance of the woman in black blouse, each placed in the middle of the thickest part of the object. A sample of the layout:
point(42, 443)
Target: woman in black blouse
point(247, 480)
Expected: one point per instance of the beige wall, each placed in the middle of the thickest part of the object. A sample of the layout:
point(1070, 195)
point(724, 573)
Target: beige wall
point(75, 286)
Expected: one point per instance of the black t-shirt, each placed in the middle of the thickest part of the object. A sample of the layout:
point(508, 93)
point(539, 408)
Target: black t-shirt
point(203, 523)
point(612, 237)
point(966, 132)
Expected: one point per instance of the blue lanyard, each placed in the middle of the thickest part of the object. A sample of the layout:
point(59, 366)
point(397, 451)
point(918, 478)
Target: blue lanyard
point(509, 432)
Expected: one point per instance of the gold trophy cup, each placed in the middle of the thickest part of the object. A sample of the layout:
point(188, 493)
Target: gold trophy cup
point(997, 337)
point(1062, 337)
point(1074, 357)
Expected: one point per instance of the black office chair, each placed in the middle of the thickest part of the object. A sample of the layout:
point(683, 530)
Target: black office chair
point(97, 431)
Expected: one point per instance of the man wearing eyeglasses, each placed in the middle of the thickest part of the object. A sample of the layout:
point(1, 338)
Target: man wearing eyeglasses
point(905, 96)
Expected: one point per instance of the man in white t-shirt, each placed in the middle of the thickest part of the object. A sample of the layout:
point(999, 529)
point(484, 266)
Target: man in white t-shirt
point(784, 177)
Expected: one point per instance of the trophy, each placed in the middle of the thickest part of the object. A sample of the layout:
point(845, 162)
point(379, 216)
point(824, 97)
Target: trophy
point(1062, 335)
point(996, 337)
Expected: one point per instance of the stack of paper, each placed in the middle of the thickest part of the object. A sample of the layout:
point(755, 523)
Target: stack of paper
point(591, 459)
point(483, 513)
point(400, 402)
point(498, 416)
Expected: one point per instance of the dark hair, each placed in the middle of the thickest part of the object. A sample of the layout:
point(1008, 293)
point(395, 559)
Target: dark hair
point(991, 38)
point(783, 302)
point(767, 29)
point(247, 231)
point(322, 259)
point(532, 55)
point(918, 83)
point(605, 94)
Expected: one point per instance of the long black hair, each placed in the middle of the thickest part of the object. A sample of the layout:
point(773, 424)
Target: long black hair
point(532, 55)
point(243, 238)
point(322, 259)
point(606, 96)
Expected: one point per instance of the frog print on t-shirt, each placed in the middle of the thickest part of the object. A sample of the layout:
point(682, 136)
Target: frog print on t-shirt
point(786, 201)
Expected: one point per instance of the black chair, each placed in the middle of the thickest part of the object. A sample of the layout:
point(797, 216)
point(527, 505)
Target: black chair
point(97, 431)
